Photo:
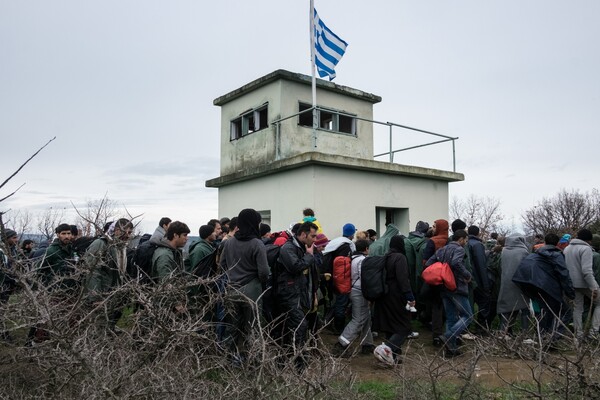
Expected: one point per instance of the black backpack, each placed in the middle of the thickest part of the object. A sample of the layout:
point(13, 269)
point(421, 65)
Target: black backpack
point(143, 259)
point(344, 250)
point(272, 257)
point(81, 244)
point(373, 277)
point(207, 266)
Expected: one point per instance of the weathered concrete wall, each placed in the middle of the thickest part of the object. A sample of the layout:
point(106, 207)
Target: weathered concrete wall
point(296, 139)
point(338, 196)
point(258, 147)
point(283, 97)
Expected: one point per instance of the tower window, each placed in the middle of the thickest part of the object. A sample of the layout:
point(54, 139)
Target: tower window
point(249, 122)
point(330, 120)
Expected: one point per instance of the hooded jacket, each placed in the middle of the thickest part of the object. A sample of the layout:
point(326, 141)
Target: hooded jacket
point(453, 254)
point(382, 245)
point(107, 260)
point(510, 297)
point(578, 256)
point(545, 271)
point(198, 250)
point(166, 262)
point(438, 240)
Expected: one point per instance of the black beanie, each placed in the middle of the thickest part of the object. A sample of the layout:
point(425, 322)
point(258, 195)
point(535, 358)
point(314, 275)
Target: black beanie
point(264, 229)
point(206, 231)
point(585, 235)
point(8, 233)
point(458, 224)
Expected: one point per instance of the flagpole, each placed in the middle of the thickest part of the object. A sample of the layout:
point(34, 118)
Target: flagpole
point(313, 70)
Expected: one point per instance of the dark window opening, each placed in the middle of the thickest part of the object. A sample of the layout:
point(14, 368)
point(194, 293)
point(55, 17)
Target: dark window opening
point(346, 124)
point(328, 120)
point(249, 122)
point(305, 119)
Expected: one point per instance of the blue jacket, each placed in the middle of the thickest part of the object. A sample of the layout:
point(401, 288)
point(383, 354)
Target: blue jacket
point(545, 270)
point(454, 254)
point(479, 263)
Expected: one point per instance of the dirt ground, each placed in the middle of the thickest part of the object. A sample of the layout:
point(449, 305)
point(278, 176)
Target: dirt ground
point(421, 359)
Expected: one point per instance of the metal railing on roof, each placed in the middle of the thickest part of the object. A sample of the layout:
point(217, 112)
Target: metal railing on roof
point(391, 152)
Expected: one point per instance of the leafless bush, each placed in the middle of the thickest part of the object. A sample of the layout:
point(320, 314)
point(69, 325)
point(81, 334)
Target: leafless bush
point(154, 351)
point(48, 220)
point(477, 210)
point(567, 212)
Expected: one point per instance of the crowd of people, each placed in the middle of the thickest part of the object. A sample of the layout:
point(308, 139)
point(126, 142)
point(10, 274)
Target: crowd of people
point(287, 280)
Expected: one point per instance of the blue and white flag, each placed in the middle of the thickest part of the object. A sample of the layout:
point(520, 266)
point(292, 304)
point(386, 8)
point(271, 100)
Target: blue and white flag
point(329, 48)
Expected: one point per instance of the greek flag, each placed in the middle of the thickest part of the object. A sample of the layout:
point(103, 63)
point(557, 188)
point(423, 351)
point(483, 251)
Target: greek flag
point(329, 48)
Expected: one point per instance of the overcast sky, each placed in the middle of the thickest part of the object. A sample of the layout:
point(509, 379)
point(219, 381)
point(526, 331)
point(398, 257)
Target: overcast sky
point(127, 89)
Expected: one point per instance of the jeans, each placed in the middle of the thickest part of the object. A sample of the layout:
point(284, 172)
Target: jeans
point(458, 317)
point(360, 325)
point(578, 311)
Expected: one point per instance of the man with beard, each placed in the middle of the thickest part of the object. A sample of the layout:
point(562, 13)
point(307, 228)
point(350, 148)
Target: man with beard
point(55, 267)
point(107, 260)
point(56, 274)
point(297, 284)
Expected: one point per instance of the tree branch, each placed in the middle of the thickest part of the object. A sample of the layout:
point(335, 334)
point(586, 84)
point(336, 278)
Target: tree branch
point(25, 163)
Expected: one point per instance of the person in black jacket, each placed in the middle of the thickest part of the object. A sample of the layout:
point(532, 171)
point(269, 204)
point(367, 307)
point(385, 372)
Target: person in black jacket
point(297, 284)
point(544, 276)
point(483, 289)
point(390, 316)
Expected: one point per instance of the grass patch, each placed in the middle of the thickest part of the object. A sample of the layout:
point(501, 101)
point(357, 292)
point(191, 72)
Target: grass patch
point(377, 390)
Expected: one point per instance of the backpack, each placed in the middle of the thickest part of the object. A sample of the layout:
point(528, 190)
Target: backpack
point(81, 244)
point(439, 273)
point(143, 259)
point(343, 250)
point(342, 274)
point(373, 277)
point(144, 238)
point(207, 266)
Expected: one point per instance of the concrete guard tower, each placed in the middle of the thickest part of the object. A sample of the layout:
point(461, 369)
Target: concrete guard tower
point(273, 162)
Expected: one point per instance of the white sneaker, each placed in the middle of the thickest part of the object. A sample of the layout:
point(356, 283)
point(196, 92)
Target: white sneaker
point(413, 335)
point(384, 354)
point(468, 336)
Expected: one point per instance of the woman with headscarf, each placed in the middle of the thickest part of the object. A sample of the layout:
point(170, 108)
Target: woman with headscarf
point(244, 260)
point(511, 300)
point(390, 316)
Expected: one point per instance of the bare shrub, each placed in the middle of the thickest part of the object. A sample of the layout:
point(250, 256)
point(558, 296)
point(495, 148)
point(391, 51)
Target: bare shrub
point(155, 350)
point(567, 212)
point(477, 210)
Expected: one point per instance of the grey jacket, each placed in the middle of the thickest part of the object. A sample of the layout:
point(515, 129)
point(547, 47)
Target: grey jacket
point(244, 261)
point(578, 256)
point(510, 297)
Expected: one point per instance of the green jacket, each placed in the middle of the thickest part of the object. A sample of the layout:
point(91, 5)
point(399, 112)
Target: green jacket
point(166, 262)
point(105, 260)
point(382, 245)
point(596, 265)
point(198, 250)
point(55, 265)
point(414, 246)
